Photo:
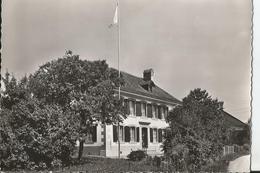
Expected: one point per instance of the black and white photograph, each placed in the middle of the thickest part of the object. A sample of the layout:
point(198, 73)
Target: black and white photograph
point(126, 86)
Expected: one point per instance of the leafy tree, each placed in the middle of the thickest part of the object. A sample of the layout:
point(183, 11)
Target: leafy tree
point(84, 87)
point(32, 134)
point(196, 133)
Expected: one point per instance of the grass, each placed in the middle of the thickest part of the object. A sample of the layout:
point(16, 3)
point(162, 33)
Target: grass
point(98, 164)
point(110, 165)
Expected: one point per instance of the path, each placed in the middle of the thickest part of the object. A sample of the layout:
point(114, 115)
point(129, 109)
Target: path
point(241, 164)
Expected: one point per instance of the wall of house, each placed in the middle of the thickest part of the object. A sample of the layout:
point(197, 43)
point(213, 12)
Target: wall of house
point(95, 148)
point(154, 148)
point(105, 145)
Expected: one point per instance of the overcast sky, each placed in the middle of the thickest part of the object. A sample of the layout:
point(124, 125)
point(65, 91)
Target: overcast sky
point(189, 44)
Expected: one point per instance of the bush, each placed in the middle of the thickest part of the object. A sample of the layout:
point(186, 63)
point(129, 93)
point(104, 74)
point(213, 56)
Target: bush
point(157, 161)
point(34, 136)
point(246, 147)
point(137, 155)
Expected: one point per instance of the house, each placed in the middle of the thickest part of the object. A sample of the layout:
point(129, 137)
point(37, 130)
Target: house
point(148, 106)
point(239, 134)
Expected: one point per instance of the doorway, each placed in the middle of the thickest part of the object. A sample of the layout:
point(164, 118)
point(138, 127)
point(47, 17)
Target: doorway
point(144, 137)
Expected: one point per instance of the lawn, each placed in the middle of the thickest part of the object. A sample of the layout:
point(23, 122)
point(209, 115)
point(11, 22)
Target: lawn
point(97, 164)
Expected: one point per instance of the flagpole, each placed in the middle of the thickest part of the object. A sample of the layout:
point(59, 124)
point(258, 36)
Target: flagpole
point(118, 59)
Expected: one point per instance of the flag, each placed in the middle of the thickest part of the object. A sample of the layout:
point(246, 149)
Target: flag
point(115, 19)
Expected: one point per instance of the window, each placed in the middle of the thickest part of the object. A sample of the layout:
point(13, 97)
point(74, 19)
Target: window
point(114, 133)
point(163, 112)
point(143, 109)
point(153, 110)
point(138, 109)
point(92, 136)
point(156, 111)
point(149, 111)
point(132, 134)
point(154, 135)
point(121, 133)
point(132, 107)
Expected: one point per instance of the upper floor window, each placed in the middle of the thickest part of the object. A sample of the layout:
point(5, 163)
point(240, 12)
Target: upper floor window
point(132, 107)
point(138, 109)
point(153, 110)
point(149, 111)
point(143, 109)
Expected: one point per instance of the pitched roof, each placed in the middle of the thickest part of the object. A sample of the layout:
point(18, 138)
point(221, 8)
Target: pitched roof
point(134, 84)
point(231, 121)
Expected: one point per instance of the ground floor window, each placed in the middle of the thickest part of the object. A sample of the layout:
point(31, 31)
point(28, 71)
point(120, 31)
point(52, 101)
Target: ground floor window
point(126, 134)
point(156, 135)
point(115, 133)
point(92, 135)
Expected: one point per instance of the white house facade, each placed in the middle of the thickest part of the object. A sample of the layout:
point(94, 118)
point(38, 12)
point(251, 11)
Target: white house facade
point(147, 106)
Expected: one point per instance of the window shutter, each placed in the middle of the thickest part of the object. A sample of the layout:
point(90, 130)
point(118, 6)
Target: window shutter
point(166, 112)
point(149, 110)
point(159, 112)
point(151, 135)
point(138, 109)
point(127, 134)
point(94, 134)
point(160, 135)
point(137, 134)
point(115, 133)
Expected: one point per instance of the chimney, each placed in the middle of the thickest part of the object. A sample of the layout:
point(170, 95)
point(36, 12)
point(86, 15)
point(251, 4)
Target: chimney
point(148, 74)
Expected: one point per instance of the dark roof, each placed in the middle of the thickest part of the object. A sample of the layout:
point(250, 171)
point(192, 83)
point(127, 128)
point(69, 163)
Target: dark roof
point(231, 121)
point(134, 84)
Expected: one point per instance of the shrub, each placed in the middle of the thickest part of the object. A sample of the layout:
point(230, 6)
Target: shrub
point(137, 155)
point(32, 136)
point(157, 161)
point(246, 147)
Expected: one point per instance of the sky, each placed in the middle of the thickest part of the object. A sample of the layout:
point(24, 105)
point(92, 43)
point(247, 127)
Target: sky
point(189, 44)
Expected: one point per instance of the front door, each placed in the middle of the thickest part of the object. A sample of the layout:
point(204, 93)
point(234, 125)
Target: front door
point(144, 138)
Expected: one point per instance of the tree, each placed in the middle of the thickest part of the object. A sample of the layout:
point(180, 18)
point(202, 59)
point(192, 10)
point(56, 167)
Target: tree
point(196, 133)
point(83, 87)
point(32, 134)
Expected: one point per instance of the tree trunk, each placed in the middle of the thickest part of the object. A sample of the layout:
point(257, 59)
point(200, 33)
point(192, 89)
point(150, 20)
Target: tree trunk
point(80, 149)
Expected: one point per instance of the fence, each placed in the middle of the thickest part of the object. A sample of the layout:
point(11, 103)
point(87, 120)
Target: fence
point(232, 149)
